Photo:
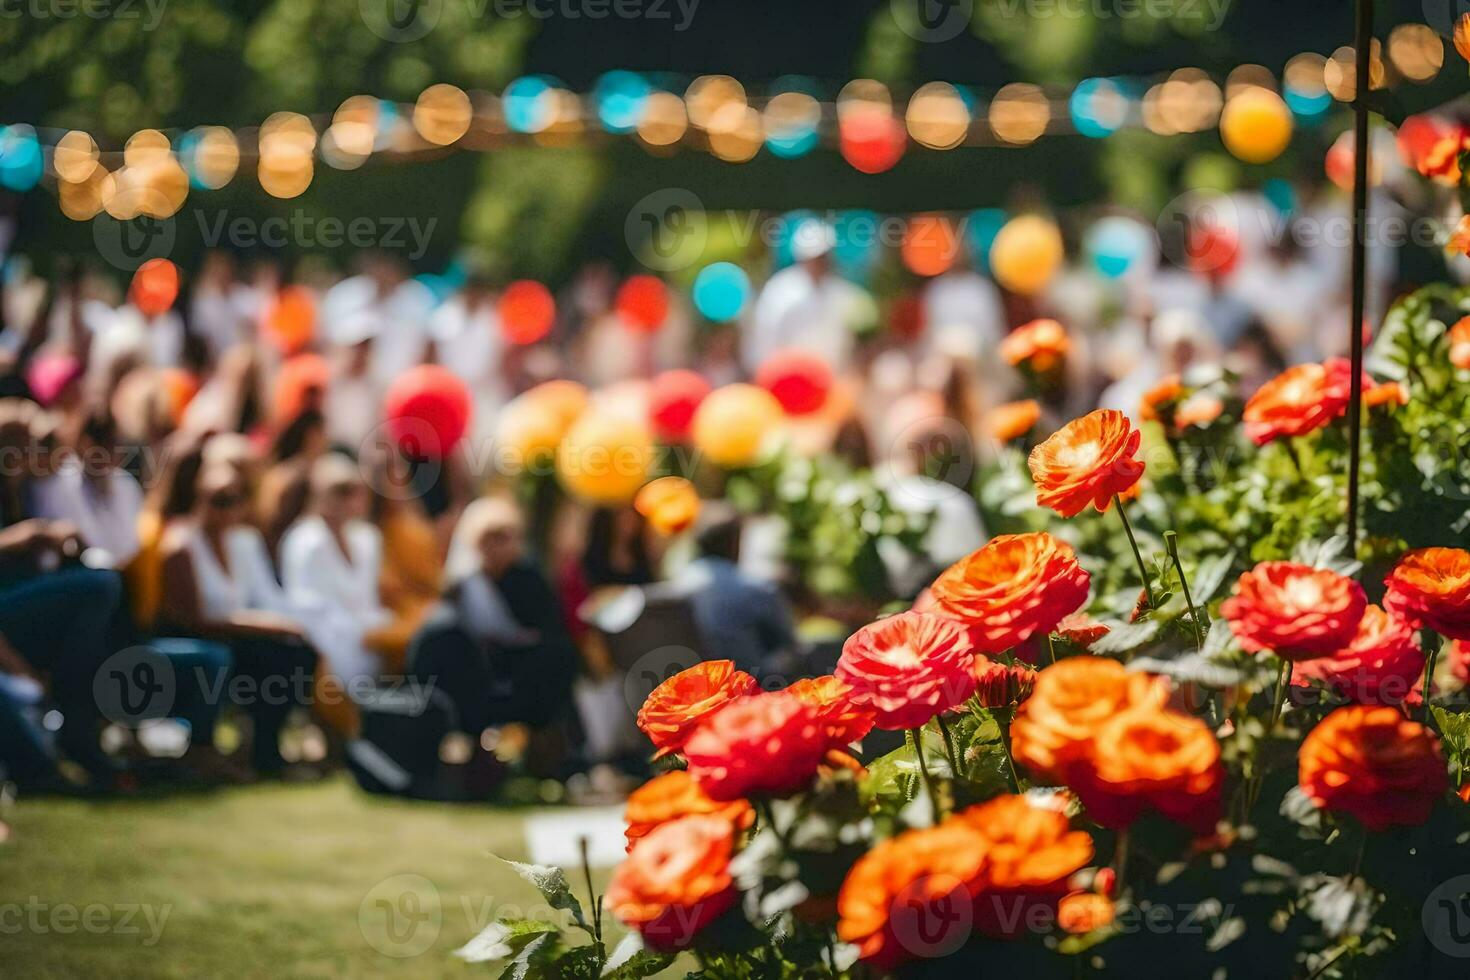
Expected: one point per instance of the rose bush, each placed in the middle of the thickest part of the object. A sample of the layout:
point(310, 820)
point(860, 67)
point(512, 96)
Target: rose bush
point(1209, 736)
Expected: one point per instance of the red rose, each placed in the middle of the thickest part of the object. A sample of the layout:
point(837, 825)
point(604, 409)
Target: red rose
point(908, 668)
point(1299, 400)
point(671, 713)
point(767, 744)
point(1380, 665)
point(1374, 764)
point(1295, 611)
point(1016, 586)
point(1430, 588)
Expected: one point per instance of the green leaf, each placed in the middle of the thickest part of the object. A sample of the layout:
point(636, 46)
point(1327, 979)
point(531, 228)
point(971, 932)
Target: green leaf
point(1343, 906)
point(535, 960)
point(1208, 576)
point(503, 940)
point(631, 960)
point(1123, 637)
point(552, 884)
point(1454, 730)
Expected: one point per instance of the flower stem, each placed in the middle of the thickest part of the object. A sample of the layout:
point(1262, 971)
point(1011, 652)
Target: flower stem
point(1171, 544)
point(1430, 659)
point(1005, 746)
point(1148, 585)
point(949, 749)
point(917, 736)
point(1282, 682)
point(1051, 647)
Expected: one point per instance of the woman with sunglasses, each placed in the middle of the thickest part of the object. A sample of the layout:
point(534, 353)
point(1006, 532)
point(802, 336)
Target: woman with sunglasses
point(219, 585)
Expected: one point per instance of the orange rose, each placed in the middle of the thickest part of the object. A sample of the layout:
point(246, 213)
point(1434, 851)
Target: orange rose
point(673, 795)
point(669, 504)
point(1295, 611)
point(1054, 728)
point(908, 668)
point(768, 744)
point(676, 881)
point(1166, 392)
point(1374, 764)
point(1198, 410)
point(1000, 685)
point(1012, 420)
point(1389, 393)
point(1430, 588)
point(1041, 345)
point(676, 706)
point(1442, 161)
point(1459, 241)
point(1016, 586)
point(1031, 852)
point(1152, 758)
point(1299, 400)
point(844, 720)
point(1083, 912)
point(1461, 36)
point(1380, 665)
point(1087, 461)
point(1082, 629)
point(912, 896)
point(1459, 337)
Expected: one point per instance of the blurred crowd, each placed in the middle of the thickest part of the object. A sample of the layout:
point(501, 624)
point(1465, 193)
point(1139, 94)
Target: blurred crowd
point(207, 478)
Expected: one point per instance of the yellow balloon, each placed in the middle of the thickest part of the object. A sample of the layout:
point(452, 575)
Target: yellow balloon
point(1026, 254)
point(733, 426)
point(526, 436)
point(1256, 125)
point(605, 459)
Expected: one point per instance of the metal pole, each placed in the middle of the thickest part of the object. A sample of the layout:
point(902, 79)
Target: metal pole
point(1362, 46)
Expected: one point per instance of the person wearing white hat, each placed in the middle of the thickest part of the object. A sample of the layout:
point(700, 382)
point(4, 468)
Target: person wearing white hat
point(806, 306)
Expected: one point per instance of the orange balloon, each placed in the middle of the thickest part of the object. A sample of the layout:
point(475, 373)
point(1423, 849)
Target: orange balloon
point(605, 459)
point(300, 385)
point(735, 424)
point(930, 245)
point(180, 387)
point(155, 286)
point(290, 320)
point(527, 312)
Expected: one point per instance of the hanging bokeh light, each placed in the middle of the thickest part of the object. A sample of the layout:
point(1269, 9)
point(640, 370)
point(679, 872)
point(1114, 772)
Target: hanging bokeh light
point(643, 303)
point(527, 312)
point(1098, 107)
point(931, 245)
point(1304, 85)
point(664, 120)
point(871, 139)
point(21, 159)
point(1019, 113)
point(82, 200)
point(734, 131)
point(707, 94)
point(620, 97)
point(791, 122)
point(353, 134)
point(721, 291)
point(1416, 52)
point(442, 114)
point(210, 156)
point(75, 156)
point(529, 103)
point(287, 146)
point(937, 117)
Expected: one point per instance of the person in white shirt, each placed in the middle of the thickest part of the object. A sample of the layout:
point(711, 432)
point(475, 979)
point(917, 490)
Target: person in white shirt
point(330, 562)
point(92, 491)
point(806, 306)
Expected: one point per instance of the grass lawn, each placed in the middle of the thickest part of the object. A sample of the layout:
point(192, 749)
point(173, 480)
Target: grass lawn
point(265, 881)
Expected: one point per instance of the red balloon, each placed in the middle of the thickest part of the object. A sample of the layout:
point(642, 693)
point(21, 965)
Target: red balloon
point(799, 380)
point(1213, 250)
point(527, 311)
point(155, 286)
point(872, 140)
point(672, 401)
point(427, 411)
point(643, 302)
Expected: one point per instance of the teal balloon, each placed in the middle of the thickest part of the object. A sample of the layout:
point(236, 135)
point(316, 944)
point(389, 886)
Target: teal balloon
point(980, 230)
point(721, 291)
point(1118, 244)
point(856, 247)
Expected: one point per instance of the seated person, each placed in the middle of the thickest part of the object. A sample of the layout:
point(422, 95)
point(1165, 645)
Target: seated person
point(219, 585)
point(330, 563)
point(740, 618)
point(92, 491)
point(497, 644)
